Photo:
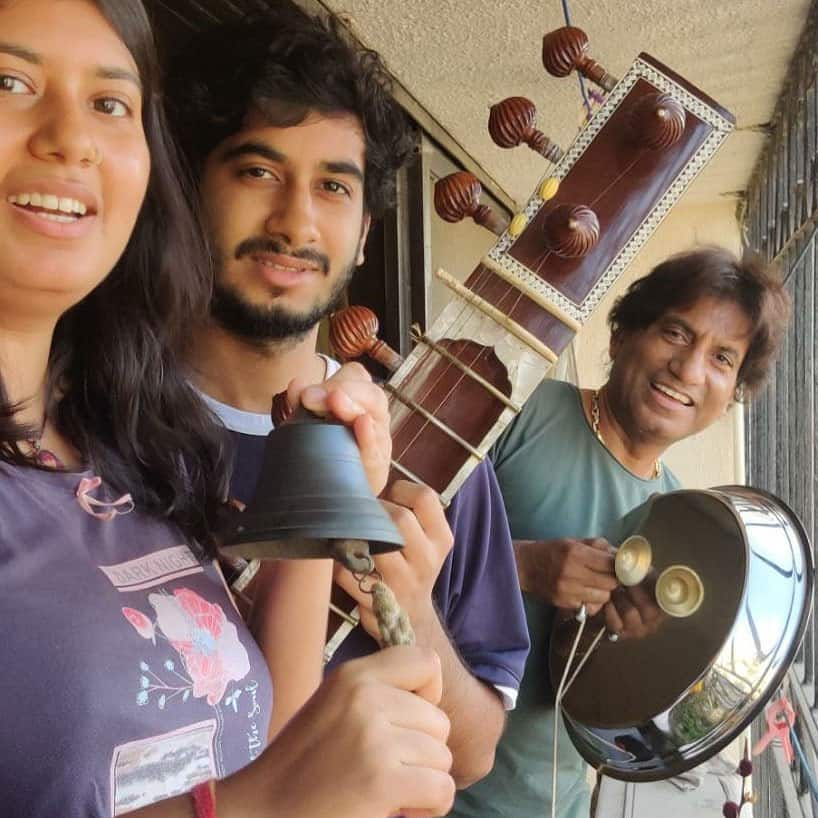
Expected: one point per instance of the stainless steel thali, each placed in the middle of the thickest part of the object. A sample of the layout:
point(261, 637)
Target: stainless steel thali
point(649, 708)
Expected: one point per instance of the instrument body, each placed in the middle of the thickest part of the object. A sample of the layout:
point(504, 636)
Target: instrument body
point(651, 708)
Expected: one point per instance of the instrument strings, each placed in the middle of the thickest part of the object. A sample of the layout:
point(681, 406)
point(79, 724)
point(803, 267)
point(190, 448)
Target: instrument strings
point(466, 312)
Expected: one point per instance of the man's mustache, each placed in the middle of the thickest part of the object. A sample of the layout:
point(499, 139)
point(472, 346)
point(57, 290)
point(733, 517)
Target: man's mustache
point(252, 246)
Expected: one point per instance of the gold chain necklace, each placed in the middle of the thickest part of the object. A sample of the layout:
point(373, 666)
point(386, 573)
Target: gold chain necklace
point(657, 464)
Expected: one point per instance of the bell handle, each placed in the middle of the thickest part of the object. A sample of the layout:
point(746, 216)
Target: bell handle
point(282, 411)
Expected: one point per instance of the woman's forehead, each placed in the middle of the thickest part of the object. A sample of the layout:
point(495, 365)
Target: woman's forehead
point(71, 33)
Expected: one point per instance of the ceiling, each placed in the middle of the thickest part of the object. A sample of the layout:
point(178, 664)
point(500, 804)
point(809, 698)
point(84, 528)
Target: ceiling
point(456, 57)
point(453, 58)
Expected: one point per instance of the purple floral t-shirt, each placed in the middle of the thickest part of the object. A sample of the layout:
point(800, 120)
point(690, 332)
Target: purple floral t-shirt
point(127, 676)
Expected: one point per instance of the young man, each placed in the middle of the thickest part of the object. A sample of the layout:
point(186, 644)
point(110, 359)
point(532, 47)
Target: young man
point(695, 335)
point(294, 142)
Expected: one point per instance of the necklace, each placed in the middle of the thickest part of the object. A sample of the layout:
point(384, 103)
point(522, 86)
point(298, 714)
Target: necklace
point(44, 457)
point(657, 464)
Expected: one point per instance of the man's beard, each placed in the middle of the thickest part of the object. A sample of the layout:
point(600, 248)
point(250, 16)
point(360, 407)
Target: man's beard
point(263, 324)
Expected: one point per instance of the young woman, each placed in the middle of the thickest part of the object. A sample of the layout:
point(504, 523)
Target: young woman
point(128, 679)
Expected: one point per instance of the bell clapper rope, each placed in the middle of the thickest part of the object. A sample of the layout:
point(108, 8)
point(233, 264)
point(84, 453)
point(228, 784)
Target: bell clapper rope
point(393, 622)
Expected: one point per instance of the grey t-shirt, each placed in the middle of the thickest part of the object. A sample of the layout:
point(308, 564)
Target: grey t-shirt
point(128, 677)
point(557, 481)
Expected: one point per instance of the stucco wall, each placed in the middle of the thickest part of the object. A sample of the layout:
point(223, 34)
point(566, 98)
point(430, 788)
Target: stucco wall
point(715, 456)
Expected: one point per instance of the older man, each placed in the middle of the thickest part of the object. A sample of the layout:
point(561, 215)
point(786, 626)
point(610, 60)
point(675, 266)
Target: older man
point(695, 335)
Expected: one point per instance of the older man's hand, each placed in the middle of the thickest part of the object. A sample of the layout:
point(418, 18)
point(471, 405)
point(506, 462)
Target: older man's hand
point(633, 613)
point(567, 573)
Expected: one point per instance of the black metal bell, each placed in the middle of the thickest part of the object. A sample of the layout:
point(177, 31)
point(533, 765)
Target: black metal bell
point(312, 492)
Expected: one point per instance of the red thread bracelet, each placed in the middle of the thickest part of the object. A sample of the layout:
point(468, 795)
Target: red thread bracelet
point(204, 799)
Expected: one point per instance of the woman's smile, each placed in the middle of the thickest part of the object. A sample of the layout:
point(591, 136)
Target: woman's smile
point(57, 210)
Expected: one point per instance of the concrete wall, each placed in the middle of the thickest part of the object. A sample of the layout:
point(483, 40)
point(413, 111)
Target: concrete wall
point(715, 456)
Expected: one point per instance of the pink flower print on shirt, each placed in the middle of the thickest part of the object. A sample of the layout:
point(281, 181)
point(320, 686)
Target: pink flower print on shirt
point(205, 639)
point(141, 623)
point(109, 508)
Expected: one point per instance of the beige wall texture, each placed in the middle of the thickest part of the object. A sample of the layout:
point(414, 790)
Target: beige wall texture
point(715, 456)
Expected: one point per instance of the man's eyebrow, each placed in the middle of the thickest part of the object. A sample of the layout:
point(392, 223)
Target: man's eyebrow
point(20, 52)
point(265, 151)
point(730, 350)
point(671, 318)
point(675, 319)
point(103, 72)
point(344, 169)
point(253, 149)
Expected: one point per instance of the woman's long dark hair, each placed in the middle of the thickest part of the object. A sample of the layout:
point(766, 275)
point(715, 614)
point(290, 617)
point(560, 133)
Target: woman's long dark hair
point(121, 394)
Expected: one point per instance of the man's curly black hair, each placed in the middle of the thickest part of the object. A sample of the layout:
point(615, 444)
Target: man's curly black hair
point(284, 65)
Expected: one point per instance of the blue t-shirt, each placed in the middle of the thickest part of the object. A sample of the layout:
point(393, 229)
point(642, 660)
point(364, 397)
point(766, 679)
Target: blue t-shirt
point(128, 676)
point(477, 593)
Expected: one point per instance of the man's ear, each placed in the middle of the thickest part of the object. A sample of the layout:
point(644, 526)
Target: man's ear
point(365, 225)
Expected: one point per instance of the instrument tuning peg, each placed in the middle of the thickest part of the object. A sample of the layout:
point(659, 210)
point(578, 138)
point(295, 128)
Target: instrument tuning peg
point(657, 121)
point(571, 231)
point(353, 332)
point(563, 51)
point(512, 123)
point(458, 195)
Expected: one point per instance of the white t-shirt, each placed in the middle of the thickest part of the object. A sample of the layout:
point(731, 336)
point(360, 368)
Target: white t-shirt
point(254, 423)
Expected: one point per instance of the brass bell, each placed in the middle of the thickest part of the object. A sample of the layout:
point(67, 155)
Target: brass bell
point(312, 492)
